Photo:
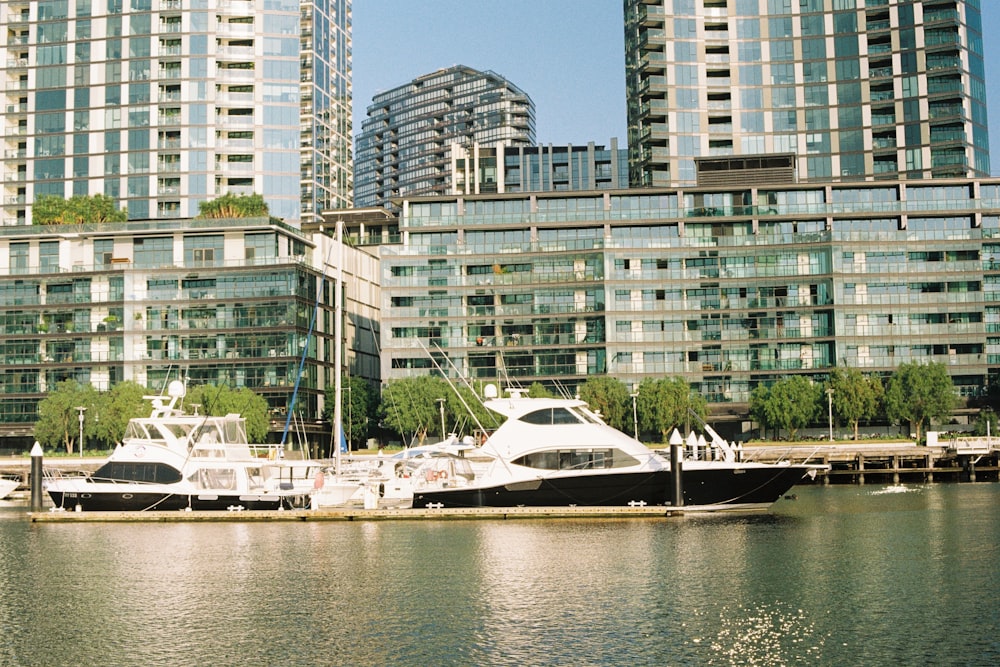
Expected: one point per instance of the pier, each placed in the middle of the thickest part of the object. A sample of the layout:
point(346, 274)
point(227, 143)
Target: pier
point(359, 514)
point(961, 460)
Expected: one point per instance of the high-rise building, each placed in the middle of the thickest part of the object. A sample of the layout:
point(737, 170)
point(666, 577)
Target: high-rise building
point(162, 104)
point(853, 89)
point(405, 142)
point(482, 169)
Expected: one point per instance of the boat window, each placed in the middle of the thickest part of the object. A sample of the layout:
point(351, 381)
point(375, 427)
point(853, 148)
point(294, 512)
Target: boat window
point(125, 471)
point(550, 416)
point(214, 478)
point(576, 459)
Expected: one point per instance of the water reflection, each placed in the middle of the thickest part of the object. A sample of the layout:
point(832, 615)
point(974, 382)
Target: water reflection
point(858, 575)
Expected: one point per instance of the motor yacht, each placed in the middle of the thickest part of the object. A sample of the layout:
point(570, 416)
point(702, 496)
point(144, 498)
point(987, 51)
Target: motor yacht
point(557, 452)
point(177, 461)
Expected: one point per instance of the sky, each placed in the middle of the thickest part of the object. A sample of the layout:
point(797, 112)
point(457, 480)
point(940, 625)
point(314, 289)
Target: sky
point(567, 55)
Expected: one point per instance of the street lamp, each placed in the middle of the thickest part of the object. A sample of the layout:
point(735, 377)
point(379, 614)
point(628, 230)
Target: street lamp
point(82, 410)
point(829, 408)
point(440, 403)
point(635, 415)
point(350, 415)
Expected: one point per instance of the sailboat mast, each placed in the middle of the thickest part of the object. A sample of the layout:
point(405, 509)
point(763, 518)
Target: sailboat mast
point(338, 337)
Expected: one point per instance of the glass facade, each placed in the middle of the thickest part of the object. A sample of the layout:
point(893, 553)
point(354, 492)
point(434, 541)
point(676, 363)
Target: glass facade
point(479, 169)
point(163, 104)
point(404, 144)
point(727, 289)
point(216, 302)
point(856, 91)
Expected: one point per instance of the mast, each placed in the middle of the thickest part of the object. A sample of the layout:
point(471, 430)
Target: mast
point(338, 337)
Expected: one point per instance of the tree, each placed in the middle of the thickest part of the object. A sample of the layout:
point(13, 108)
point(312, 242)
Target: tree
point(790, 403)
point(610, 397)
point(59, 420)
point(856, 396)
point(359, 409)
point(223, 400)
point(77, 210)
point(987, 423)
point(409, 406)
point(124, 402)
point(539, 390)
point(664, 405)
point(919, 393)
point(234, 206)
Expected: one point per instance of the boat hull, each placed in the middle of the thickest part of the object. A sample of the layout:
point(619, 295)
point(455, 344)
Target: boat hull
point(120, 501)
point(709, 488)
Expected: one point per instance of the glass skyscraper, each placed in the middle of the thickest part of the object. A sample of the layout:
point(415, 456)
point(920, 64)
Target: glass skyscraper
point(405, 142)
point(854, 89)
point(162, 104)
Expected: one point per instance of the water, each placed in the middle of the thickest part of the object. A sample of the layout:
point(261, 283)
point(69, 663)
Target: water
point(841, 575)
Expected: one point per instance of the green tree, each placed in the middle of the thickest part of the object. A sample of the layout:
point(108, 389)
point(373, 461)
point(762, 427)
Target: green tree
point(790, 403)
point(539, 390)
point(77, 210)
point(987, 422)
point(358, 412)
point(58, 421)
point(224, 400)
point(123, 402)
point(919, 394)
point(856, 396)
point(664, 405)
point(234, 206)
point(409, 406)
point(610, 397)
point(457, 411)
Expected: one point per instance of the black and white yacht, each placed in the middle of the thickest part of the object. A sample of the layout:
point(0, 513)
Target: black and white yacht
point(556, 452)
point(176, 461)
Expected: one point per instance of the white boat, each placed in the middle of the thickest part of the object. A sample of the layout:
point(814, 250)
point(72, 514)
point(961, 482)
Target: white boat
point(7, 486)
point(556, 452)
point(176, 461)
point(390, 481)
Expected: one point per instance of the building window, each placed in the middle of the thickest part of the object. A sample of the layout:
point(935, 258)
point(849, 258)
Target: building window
point(151, 253)
point(19, 258)
point(203, 250)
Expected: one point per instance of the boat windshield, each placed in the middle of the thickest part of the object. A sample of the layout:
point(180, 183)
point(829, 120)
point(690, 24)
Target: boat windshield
point(554, 416)
point(156, 432)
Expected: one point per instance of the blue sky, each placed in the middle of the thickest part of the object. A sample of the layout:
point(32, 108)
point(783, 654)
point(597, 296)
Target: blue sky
point(568, 55)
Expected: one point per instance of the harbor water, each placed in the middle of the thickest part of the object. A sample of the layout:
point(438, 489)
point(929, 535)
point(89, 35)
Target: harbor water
point(840, 575)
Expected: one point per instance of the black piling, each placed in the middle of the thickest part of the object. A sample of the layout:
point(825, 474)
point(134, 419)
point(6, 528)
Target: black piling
point(36, 478)
point(675, 473)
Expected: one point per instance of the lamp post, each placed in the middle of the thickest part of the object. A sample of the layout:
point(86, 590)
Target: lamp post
point(829, 409)
point(81, 409)
point(635, 415)
point(440, 403)
point(350, 415)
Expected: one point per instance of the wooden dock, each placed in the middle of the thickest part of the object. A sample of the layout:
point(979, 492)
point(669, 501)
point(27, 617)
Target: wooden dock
point(358, 514)
point(891, 462)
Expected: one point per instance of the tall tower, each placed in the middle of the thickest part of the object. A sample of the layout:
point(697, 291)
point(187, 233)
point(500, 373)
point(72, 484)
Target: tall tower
point(404, 144)
point(853, 89)
point(162, 104)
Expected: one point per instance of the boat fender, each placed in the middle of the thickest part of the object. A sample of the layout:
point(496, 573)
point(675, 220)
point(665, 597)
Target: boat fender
point(319, 481)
